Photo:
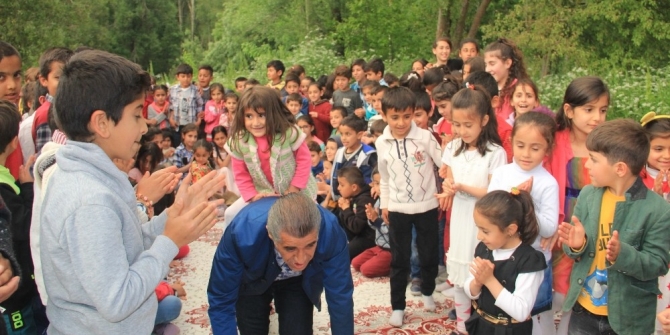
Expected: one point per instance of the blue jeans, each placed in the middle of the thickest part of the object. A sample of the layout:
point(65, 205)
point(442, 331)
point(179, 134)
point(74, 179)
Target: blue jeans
point(544, 294)
point(293, 307)
point(583, 322)
point(168, 309)
point(415, 267)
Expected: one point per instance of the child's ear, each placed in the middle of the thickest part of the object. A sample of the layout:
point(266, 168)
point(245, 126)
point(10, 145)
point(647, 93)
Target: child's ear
point(569, 113)
point(621, 169)
point(511, 229)
point(360, 134)
point(280, 73)
point(485, 121)
point(99, 124)
point(495, 101)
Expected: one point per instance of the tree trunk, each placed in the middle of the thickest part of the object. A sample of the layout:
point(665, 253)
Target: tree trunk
point(545, 64)
point(460, 26)
point(477, 21)
point(443, 20)
point(181, 15)
point(192, 20)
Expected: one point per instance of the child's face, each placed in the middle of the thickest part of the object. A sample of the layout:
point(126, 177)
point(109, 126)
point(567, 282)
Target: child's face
point(335, 118)
point(367, 95)
point(374, 185)
point(497, 67)
point(529, 147)
point(466, 71)
point(167, 142)
point(331, 149)
point(231, 105)
point(376, 76)
point(122, 139)
point(468, 51)
point(601, 172)
point(254, 122)
point(399, 121)
point(10, 78)
point(189, 139)
point(585, 118)
point(204, 78)
point(304, 86)
point(444, 108)
point(158, 139)
point(351, 139)
point(273, 75)
point(421, 118)
point(377, 102)
point(294, 107)
point(346, 189)
point(659, 155)
point(358, 73)
point(217, 95)
point(51, 81)
point(220, 139)
point(315, 157)
point(292, 87)
point(327, 166)
point(306, 128)
point(184, 79)
point(314, 93)
point(490, 234)
point(145, 165)
point(442, 52)
point(418, 68)
point(201, 156)
point(239, 86)
point(524, 99)
point(341, 83)
point(159, 97)
point(468, 125)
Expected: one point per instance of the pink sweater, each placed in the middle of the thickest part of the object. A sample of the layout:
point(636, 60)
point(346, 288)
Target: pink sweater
point(212, 114)
point(243, 179)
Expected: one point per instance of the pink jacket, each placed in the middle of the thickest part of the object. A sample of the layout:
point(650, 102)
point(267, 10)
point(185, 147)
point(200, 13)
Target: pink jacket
point(556, 165)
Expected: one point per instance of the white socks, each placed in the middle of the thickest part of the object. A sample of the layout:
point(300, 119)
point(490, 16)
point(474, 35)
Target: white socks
point(396, 318)
point(428, 303)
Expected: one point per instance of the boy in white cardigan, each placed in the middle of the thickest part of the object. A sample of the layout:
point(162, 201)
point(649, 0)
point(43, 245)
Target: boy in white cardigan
point(406, 157)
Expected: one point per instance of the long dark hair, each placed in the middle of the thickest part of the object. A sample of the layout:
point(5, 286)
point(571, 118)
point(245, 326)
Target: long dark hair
point(216, 130)
point(580, 92)
point(149, 149)
point(504, 208)
point(209, 147)
point(509, 50)
point(477, 100)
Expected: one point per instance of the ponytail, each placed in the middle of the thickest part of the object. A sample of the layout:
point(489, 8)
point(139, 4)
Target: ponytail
point(504, 208)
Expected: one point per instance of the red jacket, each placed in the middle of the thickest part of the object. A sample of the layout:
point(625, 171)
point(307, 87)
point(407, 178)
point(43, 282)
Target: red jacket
point(505, 133)
point(322, 122)
point(561, 154)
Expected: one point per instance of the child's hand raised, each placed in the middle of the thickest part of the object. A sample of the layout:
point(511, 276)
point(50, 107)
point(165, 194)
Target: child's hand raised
point(184, 225)
point(482, 270)
point(314, 114)
point(526, 185)
point(343, 203)
point(613, 247)
point(154, 186)
point(658, 182)
point(371, 213)
point(572, 236)
point(24, 171)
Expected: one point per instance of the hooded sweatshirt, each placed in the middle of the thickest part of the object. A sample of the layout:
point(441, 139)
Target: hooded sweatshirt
point(101, 264)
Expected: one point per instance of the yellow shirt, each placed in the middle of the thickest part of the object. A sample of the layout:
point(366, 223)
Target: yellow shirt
point(279, 85)
point(593, 296)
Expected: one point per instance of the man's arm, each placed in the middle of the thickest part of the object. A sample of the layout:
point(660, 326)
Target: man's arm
point(337, 281)
point(224, 285)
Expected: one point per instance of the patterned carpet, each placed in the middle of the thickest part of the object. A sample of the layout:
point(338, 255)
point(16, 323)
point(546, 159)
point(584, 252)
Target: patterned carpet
point(371, 300)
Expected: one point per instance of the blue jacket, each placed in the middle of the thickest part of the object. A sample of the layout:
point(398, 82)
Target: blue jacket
point(245, 264)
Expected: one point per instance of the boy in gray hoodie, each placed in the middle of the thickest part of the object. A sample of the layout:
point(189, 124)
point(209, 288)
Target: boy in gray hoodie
point(101, 263)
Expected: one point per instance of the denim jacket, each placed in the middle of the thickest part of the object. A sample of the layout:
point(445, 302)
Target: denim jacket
point(643, 223)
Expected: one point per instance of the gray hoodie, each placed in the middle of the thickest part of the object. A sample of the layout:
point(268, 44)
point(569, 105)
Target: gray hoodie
point(100, 264)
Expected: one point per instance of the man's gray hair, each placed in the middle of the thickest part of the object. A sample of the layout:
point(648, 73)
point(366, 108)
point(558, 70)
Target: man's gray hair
point(294, 214)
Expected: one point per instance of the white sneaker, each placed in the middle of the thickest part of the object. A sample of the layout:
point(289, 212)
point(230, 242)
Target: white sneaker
point(449, 293)
point(443, 286)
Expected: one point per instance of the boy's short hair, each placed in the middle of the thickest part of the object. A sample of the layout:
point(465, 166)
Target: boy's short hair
point(252, 82)
point(277, 65)
point(378, 126)
point(297, 70)
point(607, 139)
point(294, 97)
point(7, 50)
point(423, 101)
point(292, 77)
point(28, 92)
point(469, 40)
point(231, 95)
point(188, 128)
point(9, 124)
point(184, 69)
point(343, 71)
point(342, 110)
point(476, 64)
point(376, 65)
point(57, 54)
point(313, 146)
point(167, 133)
point(369, 84)
point(358, 62)
point(391, 78)
point(398, 98)
point(484, 80)
point(208, 68)
point(355, 123)
point(379, 89)
point(240, 79)
point(353, 175)
point(80, 92)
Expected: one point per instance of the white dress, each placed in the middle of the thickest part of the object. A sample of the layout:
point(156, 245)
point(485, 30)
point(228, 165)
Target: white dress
point(468, 168)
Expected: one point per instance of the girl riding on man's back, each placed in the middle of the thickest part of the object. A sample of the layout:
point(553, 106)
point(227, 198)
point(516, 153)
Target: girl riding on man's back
point(269, 153)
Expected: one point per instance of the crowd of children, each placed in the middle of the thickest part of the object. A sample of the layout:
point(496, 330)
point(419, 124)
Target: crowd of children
point(454, 168)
